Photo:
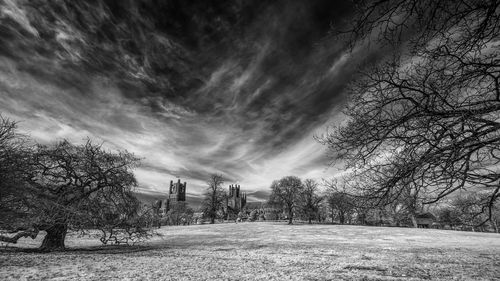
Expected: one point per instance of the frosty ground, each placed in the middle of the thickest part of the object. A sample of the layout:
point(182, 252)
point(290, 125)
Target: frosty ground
point(267, 251)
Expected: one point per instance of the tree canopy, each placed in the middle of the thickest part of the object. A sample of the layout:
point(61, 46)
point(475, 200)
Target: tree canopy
point(287, 193)
point(62, 186)
point(425, 121)
point(310, 200)
point(215, 196)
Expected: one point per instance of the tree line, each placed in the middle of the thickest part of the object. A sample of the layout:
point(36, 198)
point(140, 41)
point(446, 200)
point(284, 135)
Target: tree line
point(304, 200)
point(293, 199)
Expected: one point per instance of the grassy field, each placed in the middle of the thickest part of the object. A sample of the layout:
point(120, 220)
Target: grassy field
point(268, 251)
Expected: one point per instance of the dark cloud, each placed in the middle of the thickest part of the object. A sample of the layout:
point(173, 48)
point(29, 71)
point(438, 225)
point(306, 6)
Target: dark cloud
point(192, 87)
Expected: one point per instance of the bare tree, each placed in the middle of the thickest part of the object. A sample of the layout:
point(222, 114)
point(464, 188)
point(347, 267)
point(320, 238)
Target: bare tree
point(66, 186)
point(286, 193)
point(310, 200)
point(425, 122)
point(213, 205)
point(341, 205)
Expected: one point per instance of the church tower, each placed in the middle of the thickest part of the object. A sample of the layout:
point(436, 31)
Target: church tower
point(177, 191)
point(176, 195)
point(236, 199)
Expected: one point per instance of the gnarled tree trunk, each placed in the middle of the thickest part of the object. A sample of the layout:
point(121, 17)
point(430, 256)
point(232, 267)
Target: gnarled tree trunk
point(54, 240)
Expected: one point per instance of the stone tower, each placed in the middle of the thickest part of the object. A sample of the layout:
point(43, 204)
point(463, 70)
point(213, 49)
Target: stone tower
point(177, 191)
point(236, 199)
point(176, 195)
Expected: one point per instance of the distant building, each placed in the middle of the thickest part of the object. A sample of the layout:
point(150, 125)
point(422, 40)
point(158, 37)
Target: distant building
point(176, 195)
point(425, 220)
point(236, 200)
point(263, 211)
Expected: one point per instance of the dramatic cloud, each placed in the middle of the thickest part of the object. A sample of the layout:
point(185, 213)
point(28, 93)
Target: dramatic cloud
point(237, 88)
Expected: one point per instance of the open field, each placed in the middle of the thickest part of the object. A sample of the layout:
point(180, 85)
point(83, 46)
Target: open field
point(268, 251)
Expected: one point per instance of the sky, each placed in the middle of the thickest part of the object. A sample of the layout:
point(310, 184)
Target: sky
point(238, 88)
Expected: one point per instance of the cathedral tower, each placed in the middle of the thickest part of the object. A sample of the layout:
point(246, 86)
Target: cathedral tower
point(236, 200)
point(176, 195)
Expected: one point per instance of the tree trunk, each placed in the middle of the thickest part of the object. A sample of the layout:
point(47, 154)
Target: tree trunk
point(310, 220)
point(341, 217)
point(54, 240)
point(413, 220)
point(362, 219)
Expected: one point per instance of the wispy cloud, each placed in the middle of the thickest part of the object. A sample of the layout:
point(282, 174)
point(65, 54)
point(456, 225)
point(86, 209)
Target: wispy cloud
point(242, 95)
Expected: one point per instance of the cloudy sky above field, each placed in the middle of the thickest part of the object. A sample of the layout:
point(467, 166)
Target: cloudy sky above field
point(192, 87)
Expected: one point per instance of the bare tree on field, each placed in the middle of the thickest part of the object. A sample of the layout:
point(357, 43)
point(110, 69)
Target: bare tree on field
point(310, 200)
point(341, 204)
point(215, 195)
point(286, 193)
point(425, 122)
point(65, 186)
